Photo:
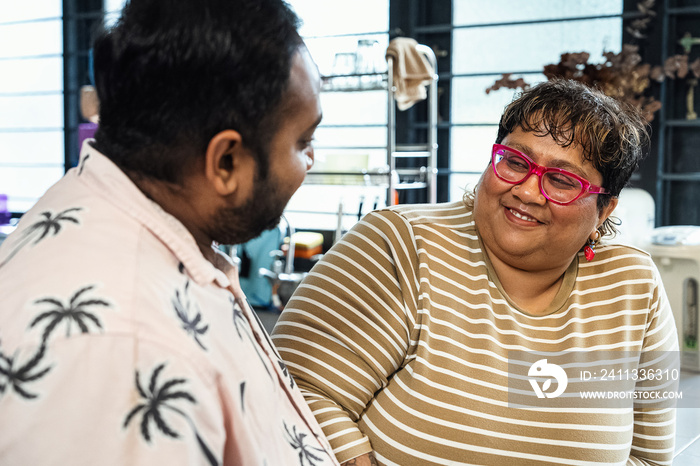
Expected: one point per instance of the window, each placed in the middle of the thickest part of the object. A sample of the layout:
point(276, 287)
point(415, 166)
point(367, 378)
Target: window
point(31, 100)
point(112, 10)
point(507, 36)
point(353, 134)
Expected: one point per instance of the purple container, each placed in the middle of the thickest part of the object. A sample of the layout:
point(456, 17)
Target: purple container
point(85, 131)
point(4, 213)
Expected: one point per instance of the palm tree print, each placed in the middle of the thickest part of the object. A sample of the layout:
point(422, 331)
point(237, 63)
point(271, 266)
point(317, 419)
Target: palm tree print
point(15, 378)
point(285, 371)
point(48, 224)
point(74, 311)
point(182, 305)
point(242, 390)
point(157, 398)
point(82, 164)
point(307, 453)
point(242, 328)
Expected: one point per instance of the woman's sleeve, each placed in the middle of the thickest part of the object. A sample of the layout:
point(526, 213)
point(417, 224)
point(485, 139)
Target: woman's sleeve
point(349, 326)
point(655, 426)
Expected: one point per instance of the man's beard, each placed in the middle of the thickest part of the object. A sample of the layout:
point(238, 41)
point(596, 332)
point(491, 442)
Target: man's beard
point(262, 211)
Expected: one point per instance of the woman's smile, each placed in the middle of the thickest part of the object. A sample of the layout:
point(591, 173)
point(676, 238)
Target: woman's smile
point(522, 216)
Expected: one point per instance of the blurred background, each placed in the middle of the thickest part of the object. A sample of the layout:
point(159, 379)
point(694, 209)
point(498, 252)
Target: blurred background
point(44, 62)
point(369, 154)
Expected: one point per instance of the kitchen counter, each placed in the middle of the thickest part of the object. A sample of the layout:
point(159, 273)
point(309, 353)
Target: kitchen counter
point(688, 422)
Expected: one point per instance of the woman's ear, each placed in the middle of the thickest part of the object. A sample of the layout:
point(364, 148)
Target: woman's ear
point(606, 211)
point(227, 163)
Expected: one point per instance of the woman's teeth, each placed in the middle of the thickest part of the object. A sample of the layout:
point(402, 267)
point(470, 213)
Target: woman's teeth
point(521, 216)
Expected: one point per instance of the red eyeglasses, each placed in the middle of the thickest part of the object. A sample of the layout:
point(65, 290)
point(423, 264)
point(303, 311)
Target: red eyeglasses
point(559, 186)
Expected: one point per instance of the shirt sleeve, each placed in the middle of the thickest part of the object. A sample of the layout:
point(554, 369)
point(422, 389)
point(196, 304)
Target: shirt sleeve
point(111, 401)
point(349, 326)
point(655, 426)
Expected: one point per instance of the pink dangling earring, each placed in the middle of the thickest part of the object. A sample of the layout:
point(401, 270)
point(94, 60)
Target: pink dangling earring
point(589, 248)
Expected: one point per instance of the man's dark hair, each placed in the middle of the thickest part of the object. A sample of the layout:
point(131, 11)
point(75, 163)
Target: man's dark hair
point(172, 74)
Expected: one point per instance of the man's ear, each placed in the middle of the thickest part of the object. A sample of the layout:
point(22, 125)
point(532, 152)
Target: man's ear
point(228, 163)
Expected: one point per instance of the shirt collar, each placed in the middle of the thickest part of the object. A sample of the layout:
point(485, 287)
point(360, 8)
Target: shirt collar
point(114, 186)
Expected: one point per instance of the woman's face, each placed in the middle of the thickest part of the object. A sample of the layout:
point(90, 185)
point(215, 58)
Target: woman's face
point(519, 226)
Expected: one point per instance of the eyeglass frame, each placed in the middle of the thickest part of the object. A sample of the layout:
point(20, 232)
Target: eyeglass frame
point(586, 186)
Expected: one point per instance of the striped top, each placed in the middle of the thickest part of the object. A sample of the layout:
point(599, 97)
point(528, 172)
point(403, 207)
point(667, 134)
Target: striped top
point(399, 339)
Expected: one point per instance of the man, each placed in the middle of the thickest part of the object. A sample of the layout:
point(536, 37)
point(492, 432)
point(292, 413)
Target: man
point(124, 336)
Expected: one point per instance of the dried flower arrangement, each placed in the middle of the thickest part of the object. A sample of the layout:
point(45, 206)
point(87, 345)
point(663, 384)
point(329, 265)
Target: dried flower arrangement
point(621, 75)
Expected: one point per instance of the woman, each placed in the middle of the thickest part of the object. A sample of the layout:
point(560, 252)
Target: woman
point(400, 337)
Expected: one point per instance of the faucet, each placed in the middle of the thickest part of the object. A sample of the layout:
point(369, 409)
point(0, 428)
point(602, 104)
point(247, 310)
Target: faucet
point(284, 281)
point(289, 265)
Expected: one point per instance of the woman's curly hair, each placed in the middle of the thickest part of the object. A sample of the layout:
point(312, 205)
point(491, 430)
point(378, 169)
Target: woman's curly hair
point(613, 135)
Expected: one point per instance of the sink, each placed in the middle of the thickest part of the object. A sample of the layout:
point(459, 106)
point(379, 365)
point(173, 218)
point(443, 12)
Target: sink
point(288, 283)
point(282, 277)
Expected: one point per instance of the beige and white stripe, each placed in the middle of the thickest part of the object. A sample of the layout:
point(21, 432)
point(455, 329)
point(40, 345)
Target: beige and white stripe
point(399, 339)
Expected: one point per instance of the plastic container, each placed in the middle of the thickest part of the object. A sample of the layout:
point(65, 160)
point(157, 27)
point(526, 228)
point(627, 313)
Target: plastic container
point(676, 252)
point(5, 215)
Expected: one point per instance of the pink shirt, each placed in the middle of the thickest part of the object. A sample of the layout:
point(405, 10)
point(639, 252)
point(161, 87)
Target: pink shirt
point(121, 344)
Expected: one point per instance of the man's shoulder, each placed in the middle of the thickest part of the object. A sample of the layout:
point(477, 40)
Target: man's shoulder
point(69, 238)
point(79, 251)
point(106, 297)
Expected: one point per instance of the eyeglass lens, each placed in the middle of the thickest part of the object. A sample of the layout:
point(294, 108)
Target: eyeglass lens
point(557, 186)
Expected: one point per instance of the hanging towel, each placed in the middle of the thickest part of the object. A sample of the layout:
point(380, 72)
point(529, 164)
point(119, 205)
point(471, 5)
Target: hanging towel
point(411, 72)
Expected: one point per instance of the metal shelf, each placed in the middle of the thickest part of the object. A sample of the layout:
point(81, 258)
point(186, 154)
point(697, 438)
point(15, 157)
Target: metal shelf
point(424, 177)
point(684, 10)
point(412, 154)
point(681, 176)
point(353, 82)
point(414, 185)
point(427, 151)
point(666, 190)
point(683, 123)
point(378, 177)
point(349, 147)
point(347, 179)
